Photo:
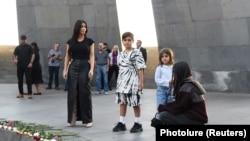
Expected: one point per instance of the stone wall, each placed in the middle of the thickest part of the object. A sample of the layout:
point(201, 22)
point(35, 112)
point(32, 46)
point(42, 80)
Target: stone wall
point(7, 66)
point(211, 35)
point(50, 21)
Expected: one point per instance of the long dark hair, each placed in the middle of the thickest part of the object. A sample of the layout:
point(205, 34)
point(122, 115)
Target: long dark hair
point(77, 28)
point(34, 44)
point(181, 71)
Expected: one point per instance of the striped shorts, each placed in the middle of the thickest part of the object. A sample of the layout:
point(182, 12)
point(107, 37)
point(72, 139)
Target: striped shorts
point(128, 99)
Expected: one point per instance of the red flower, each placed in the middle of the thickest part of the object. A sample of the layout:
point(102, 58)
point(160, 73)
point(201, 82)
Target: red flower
point(37, 138)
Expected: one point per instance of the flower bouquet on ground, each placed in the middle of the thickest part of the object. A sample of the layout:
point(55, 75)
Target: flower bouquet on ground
point(38, 132)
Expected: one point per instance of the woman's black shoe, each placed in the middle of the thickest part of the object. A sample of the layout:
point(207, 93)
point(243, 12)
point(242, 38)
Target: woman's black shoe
point(37, 94)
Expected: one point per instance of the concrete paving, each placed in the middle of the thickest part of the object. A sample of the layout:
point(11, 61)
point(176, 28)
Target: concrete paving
point(50, 109)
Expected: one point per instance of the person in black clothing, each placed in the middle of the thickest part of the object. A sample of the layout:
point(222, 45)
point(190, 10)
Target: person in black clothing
point(189, 106)
point(23, 57)
point(142, 49)
point(80, 55)
point(36, 71)
point(106, 47)
point(144, 53)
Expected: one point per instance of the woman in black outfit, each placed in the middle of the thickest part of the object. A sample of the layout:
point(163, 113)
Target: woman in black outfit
point(80, 51)
point(36, 70)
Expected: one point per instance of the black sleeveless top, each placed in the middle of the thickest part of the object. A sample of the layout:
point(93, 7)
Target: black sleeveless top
point(80, 50)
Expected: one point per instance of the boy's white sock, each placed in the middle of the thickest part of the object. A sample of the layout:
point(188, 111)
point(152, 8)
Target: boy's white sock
point(137, 119)
point(122, 119)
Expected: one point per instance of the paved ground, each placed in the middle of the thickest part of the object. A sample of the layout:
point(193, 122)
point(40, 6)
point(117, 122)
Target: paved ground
point(50, 109)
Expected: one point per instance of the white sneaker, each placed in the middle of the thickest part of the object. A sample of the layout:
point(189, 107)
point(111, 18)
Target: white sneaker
point(98, 92)
point(106, 93)
point(88, 125)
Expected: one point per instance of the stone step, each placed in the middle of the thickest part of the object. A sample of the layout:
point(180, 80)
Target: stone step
point(8, 80)
point(8, 76)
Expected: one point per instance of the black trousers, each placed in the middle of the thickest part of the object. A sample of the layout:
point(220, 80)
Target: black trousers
point(113, 69)
point(175, 119)
point(21, 71)
point(53, 71)
point(79, 91)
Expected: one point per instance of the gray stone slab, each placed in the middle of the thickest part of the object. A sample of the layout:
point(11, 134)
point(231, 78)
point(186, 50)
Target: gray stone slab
point(235, 8)
point(209, 33)
point(248, 26)
point(205, 10)
point(185, 35)
point(78, 12)
point(181, 54)
point(48, 16)
point(28, 2)
point(6, 135)
point(176, 35)
point(243, 77)
point(158, 10)
point(88, 15)
point(26, 20)
point(54, 2)
point(199, 59)
point(176, 11)
point(235, 32)
point(225, 58)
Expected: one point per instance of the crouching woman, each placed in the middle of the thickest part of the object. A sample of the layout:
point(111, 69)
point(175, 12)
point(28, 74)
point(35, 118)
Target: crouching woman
point(189, 106)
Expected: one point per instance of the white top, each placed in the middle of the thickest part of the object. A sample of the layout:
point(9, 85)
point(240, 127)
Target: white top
point(163, 74)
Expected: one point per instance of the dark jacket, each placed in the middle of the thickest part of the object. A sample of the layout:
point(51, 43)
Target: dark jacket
point(189, 101)
point(144, 54)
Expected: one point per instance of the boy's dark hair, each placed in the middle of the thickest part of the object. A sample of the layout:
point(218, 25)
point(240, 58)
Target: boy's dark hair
point(23, 37)
point(127, 34)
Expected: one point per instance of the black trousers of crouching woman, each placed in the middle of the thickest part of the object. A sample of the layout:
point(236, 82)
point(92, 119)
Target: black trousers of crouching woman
point(79, 93)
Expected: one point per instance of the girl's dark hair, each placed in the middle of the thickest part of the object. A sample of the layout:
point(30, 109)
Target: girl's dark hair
point(127, 34)
point(77, 28)
point(36, 48)
point(181, 71)
point(169, 52)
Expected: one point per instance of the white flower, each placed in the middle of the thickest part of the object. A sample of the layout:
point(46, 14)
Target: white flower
point(15, 129)
point(5, 127)
point(53, 140)
point(29, 134)
point(1, 126)
point(9, 128)
point(36, 134)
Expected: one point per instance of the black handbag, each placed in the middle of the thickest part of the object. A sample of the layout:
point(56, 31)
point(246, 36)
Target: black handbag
point(156, 122)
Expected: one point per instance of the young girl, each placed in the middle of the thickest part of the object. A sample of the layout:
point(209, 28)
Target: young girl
point(129, 82)
point(163, 76)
